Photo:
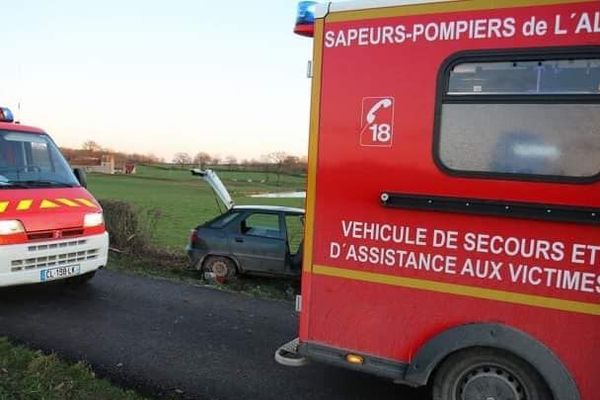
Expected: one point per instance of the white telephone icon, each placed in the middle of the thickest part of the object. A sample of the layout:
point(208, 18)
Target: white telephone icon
point(385, 103)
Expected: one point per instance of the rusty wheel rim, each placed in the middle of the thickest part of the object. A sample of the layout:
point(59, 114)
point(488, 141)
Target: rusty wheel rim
point(219, 268)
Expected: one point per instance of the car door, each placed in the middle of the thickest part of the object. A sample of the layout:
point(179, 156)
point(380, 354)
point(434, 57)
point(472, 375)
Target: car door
point(294, 231)
point(260, 244)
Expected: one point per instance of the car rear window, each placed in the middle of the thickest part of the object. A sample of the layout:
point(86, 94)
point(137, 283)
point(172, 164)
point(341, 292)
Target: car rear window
point(224, 220)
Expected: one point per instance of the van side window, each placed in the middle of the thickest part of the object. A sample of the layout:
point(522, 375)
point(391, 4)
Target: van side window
point(527, 118)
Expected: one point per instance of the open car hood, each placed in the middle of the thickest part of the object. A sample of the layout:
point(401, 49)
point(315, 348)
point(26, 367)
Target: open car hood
point(215, 183)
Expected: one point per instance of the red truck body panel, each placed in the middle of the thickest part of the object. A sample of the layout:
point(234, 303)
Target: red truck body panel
point(358, 297)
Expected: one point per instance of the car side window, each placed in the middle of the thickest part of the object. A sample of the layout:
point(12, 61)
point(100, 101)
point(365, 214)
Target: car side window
point(261, 224)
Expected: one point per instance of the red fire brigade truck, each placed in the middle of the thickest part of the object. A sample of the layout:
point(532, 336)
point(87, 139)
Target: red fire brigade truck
point(453, 204)
point(51, 228)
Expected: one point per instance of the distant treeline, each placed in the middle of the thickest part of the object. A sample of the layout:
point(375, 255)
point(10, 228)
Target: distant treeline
point(298, 168)
point(277, 162)
point(119, 157)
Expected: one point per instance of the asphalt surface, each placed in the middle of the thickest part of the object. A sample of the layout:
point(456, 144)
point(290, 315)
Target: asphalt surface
point(165, 338)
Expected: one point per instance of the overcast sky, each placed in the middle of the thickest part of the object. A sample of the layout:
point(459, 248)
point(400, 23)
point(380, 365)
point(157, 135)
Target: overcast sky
point(228, 78)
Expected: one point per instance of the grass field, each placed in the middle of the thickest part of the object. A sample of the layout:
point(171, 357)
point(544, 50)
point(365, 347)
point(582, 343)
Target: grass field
point(25, 374)
point(183, 200)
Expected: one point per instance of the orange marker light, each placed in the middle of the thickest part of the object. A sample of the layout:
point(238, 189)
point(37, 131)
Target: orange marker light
point(355, 359)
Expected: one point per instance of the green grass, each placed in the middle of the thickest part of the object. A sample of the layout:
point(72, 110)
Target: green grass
point(25, 374)
point(184, 201)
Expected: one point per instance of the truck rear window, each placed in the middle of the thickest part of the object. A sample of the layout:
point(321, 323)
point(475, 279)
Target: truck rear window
point(522, 118)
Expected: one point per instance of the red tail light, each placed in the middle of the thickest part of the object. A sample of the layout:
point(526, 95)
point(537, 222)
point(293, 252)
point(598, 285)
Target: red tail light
point(193, 236)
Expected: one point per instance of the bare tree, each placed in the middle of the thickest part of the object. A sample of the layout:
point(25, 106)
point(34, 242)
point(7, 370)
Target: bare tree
point(231, 160)
point(278, 158)
point(202, 159)
point(291, 160)
point(153, 158)
point(92, 146)
point(182, 159)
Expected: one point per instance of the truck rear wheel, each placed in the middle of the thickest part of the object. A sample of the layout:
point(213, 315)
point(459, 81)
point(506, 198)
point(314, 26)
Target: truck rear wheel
point(487, 374)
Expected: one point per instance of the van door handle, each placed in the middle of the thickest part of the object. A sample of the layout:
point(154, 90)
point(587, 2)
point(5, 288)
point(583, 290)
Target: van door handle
point(239, 240)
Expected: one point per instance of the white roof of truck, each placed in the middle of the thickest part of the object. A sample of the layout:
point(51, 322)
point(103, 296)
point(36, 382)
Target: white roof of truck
point(323, 9)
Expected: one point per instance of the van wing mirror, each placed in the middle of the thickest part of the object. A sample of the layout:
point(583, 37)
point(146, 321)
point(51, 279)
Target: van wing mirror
point(81, 177)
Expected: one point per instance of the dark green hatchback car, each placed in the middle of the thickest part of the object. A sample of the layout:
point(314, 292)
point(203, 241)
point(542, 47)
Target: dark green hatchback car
point(261, 240)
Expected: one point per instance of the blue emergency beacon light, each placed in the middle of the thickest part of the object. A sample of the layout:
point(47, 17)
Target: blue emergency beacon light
point(305, 19)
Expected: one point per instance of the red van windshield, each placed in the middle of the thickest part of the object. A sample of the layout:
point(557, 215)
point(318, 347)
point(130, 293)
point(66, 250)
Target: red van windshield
point(32, 160)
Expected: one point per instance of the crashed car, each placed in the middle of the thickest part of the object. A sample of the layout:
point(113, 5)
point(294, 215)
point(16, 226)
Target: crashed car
point(258, 240)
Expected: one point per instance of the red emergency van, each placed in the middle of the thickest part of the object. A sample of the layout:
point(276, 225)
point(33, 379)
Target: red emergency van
point(453, 203)
point(51, 227)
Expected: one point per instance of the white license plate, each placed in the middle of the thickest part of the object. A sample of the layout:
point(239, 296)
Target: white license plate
point(59, 273)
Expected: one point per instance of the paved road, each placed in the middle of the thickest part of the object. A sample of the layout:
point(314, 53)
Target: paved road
point(161, 337)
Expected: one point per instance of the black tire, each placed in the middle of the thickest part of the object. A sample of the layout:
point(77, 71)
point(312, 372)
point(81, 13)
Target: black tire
point(222, 268)
point(485, 373)
point(80, 279)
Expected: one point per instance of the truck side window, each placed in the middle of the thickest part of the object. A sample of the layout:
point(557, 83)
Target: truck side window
point(524, 117)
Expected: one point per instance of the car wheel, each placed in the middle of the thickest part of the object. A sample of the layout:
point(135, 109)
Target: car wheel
point(220, 269)
point(80, 279)
point(483, 373)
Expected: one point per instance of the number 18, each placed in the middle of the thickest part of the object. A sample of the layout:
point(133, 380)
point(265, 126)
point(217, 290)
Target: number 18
point(381, 132)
